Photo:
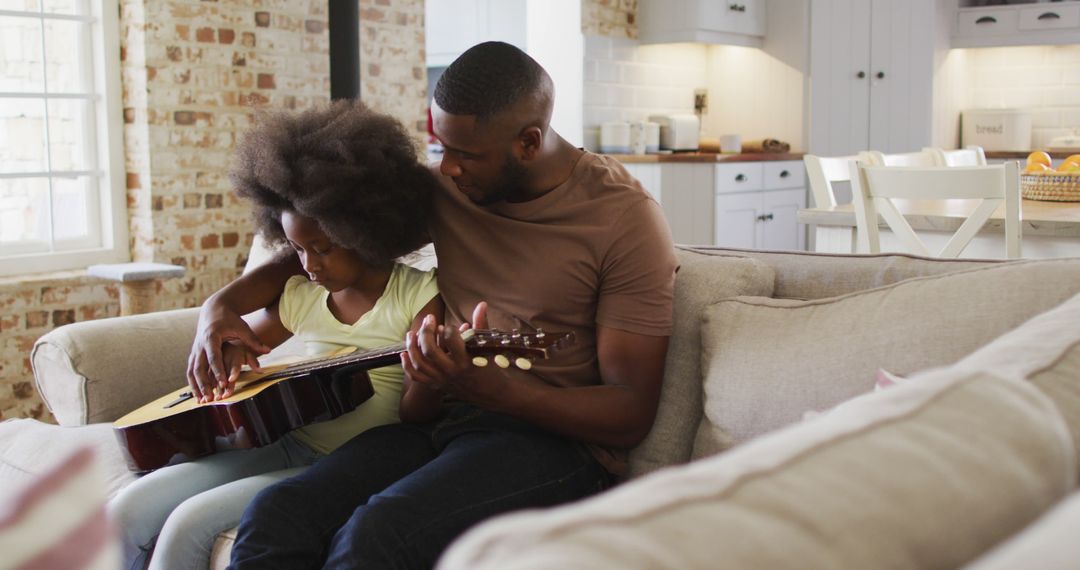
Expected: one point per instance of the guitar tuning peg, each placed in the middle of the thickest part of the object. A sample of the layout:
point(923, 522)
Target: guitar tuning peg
point(539, 333)
point(523, 363)
point(515, 333)
point(502, 361)
point(479, 361)
point(467, 334)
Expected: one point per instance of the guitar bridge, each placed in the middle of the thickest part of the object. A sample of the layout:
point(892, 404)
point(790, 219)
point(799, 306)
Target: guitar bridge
point(183, 397)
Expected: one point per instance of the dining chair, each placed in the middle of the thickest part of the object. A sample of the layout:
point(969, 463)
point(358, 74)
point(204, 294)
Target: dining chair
point(972, 155)
point(875, 187)
point(822, 172)
point(918, 158)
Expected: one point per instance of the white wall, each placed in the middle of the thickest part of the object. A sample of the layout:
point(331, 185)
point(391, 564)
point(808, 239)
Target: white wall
point(750, 92)
point(625, 81)
point(554, 39)
point(1045, 79)
point(755, 95)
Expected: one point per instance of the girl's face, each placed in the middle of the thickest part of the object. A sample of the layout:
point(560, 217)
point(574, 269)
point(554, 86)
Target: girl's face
point(325, 262)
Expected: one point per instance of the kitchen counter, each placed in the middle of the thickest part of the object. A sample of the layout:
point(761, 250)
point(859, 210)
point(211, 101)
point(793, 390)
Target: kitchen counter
point(1049, 229)
point(706, 157)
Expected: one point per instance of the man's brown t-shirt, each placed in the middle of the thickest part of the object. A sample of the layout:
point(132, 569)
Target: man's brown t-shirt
point(596, 250)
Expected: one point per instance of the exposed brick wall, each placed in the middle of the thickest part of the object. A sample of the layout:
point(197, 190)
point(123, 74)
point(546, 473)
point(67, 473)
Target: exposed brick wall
point(28, 309)
point(194, 73)
point(393, 76)
point(611, 18)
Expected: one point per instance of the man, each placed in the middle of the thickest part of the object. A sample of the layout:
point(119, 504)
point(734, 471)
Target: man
point(530, 233)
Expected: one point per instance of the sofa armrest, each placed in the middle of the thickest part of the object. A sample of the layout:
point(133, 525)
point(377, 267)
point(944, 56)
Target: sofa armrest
point(97, 371)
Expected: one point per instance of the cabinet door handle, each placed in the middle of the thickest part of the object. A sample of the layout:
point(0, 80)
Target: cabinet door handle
point(768, 217)
point(986, 20)
point(765, 217)
point(881, 75)
point(784, 174)
point(740, 177)
point(860, 74)
point(1049, 16)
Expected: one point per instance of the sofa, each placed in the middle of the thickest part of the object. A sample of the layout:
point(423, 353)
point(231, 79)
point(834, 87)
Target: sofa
point(771, 446)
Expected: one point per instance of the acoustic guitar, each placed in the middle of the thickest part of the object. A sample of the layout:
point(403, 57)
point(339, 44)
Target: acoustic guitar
point(268, 404)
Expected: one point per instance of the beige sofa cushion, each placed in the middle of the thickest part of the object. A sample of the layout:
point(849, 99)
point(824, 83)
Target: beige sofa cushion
point(925, 475)
point(768, 361)
point(701, 281)
point(1045, 351)
point(1048, 544)
point(29, 448)
point(811, 275)
point(89, 372)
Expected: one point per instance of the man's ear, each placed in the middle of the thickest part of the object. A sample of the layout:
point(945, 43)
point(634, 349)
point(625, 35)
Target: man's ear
point(530, 141)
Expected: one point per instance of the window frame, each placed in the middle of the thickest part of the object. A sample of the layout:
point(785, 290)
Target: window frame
point(103, 134)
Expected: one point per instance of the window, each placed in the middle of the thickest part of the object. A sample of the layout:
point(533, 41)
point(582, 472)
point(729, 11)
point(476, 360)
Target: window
point(62, 202)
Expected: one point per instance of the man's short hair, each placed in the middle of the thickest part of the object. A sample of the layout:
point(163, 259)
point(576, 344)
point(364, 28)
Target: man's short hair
point(486, 79)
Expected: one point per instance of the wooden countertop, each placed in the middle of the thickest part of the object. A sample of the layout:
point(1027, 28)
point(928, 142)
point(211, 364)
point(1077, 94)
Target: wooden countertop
point(1040, 218)
point(708, 157)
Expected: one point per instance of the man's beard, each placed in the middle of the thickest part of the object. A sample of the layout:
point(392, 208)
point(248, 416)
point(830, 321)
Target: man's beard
point(510, 186)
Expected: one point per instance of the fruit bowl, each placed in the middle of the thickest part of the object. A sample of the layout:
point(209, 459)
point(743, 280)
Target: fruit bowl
point(1055, 186)
point(1039, 180)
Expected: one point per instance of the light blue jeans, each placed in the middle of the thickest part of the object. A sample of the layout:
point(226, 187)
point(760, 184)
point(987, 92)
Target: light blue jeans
point(184, 507)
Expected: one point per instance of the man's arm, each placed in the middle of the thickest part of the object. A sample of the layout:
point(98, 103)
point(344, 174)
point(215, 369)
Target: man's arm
point(220, 321)
point(619, 412)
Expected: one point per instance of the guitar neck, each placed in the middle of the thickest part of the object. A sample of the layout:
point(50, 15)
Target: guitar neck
point(373, 358)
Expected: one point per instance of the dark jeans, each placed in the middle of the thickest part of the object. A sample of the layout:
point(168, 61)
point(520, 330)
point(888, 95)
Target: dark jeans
point(397, 495)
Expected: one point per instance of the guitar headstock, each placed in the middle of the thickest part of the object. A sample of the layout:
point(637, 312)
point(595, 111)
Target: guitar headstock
point(524, 347)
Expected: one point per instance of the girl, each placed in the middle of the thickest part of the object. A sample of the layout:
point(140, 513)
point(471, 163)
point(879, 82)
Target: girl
point(341, 186)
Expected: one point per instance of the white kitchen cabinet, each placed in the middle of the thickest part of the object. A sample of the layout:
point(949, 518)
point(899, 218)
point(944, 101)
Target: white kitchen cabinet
point(1030, 24)
point(734, 204)
point(649, 176)
point(756, 205)
point(454, 26)
point(735, 22)
point(685, 193)
point(872, 66)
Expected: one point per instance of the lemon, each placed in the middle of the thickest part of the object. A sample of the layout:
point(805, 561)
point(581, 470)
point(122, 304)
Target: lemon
point(1037, 168)
point(1039, 157)
point(1072, 159)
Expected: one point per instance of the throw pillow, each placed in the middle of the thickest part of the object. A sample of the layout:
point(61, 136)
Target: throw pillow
point(882, 379)
point(1045, 351)
point(766, 361)
point(700, 282)
point(59, 522)
point(1049, 542)
point(900, 480)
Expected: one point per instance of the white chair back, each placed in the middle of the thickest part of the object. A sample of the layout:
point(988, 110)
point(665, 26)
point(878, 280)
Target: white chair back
point(968, 156)
point(920, 158)
point(822, 172)
point(875, 187)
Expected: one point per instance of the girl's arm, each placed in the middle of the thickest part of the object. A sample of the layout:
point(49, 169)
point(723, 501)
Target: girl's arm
point(419, 402)
point(267, 326)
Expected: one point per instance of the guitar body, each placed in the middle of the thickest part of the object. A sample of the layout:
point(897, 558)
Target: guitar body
point(254, 416)
point(266, 405)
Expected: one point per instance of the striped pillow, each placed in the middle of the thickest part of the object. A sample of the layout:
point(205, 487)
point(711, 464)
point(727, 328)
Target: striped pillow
point(58, 521)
